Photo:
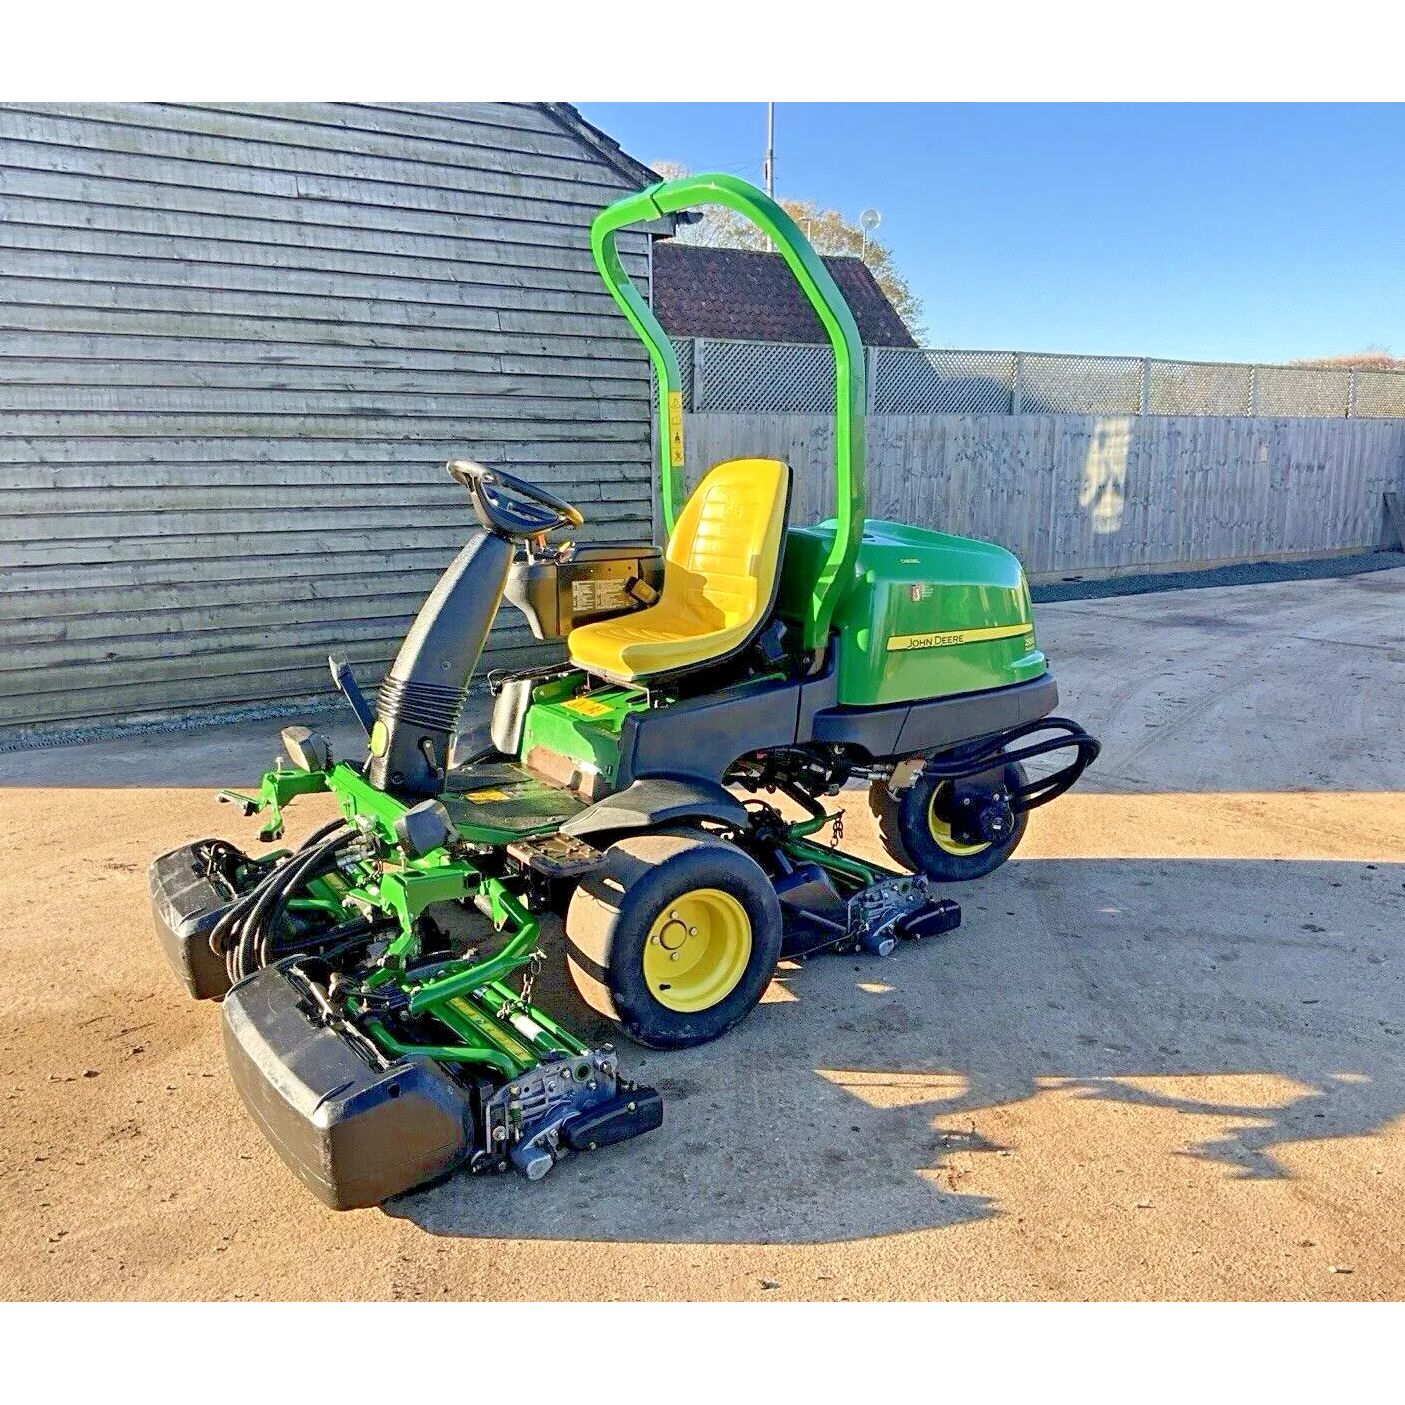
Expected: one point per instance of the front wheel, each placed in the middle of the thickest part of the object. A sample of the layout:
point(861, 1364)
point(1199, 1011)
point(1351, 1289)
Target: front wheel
point(675, 938)
point(915, 826)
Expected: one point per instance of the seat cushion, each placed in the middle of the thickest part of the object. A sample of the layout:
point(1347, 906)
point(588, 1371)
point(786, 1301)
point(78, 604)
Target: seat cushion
point(720, 575)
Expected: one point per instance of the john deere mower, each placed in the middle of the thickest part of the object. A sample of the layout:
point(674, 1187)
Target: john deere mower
point(377, 982)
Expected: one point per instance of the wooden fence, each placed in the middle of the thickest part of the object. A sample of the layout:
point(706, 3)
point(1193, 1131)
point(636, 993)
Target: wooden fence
point(1098, 495)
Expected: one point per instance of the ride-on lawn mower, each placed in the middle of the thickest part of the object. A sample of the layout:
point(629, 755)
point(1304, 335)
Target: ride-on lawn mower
point(377, 982)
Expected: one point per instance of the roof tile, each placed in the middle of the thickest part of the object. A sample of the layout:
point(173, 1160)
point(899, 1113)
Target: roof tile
point(745, 295)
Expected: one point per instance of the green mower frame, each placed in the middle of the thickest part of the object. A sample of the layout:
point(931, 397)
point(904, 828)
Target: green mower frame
point(377, 983)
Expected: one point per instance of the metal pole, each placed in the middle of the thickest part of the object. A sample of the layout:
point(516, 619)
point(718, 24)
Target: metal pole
point(770, 167)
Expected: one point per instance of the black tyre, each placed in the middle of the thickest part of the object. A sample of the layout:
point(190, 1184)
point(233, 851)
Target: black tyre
point(675, 939)
point(915, 826)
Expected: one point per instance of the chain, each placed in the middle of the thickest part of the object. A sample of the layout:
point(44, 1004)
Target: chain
point(837, 836)
point(528, 982)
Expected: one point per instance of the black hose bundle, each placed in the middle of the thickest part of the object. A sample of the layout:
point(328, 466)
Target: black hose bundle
point(244, 936)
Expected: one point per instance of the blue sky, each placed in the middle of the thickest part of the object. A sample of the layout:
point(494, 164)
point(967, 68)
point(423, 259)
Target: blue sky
point(1211, 232)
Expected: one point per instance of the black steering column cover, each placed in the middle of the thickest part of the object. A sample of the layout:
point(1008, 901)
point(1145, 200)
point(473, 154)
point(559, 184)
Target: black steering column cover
point(421, 697)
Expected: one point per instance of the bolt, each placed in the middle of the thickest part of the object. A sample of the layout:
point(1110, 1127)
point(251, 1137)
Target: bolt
point(692, 931)
point(673, 956)
point(631, 1107)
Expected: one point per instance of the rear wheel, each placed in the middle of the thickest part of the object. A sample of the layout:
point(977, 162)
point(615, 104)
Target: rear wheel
point(675, 938)
point(915, 826)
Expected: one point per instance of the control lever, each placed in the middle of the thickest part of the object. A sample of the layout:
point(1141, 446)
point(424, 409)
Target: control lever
point(641, 591)
point(348, 687)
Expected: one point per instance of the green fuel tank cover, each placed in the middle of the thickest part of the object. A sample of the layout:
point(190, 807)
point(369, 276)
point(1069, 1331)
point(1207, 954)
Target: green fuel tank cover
point(929, 615)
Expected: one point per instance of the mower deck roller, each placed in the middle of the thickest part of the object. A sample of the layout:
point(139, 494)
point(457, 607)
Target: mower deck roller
point(378, 981)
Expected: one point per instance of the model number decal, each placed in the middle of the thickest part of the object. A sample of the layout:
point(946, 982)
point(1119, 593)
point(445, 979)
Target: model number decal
point(942, 640)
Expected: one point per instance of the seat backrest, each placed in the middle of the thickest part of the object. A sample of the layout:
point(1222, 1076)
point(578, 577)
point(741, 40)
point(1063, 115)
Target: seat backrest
point(723, 558)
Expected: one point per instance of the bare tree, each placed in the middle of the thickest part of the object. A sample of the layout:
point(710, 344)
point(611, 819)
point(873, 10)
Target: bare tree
point(828, 230)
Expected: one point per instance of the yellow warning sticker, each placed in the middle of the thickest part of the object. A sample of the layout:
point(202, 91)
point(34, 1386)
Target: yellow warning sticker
point(586, 707)
point(945, 639)
point(480, 797)
point(675, 428)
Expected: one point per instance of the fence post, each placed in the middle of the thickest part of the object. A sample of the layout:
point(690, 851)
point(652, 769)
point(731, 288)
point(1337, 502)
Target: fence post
point(875, 356)
point(1253, 391)
point(699, 376)
point(1016, 388)
point(1146, 384)
point(1351, 392)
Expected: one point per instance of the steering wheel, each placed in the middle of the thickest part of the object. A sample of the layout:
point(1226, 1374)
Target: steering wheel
point(508, 506)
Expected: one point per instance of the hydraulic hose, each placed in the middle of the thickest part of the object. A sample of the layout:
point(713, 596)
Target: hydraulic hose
point(223, 930)
point(321, 861)
point(249, 949)
point(235, 934)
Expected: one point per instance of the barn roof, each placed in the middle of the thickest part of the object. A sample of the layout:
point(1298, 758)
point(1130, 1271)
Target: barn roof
point(743, 295)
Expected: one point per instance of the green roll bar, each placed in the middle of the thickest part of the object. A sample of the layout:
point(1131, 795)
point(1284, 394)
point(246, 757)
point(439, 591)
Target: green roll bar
point(667, 198)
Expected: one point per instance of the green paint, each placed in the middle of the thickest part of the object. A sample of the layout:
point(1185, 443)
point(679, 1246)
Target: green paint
point(359, 799)
point(585, 728)
point(834, 572)
point(924, 587)
point(278, 787)
point(475, 1053)
point(514, 955)
point(472, 1024)
point(567, 1041)
point(852, 873)
point(408, 891)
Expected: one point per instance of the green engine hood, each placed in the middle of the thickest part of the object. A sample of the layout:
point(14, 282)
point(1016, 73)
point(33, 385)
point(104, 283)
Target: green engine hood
point(928, 615)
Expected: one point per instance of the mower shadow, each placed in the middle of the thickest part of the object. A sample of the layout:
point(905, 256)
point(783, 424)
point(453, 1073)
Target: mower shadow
point(1260, 999)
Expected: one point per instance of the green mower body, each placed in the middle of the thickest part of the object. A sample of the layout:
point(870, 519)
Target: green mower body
point(378, 982)
point(928, 615)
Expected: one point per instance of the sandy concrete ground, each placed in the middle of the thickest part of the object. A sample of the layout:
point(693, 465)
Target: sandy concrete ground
point(1161, 1058)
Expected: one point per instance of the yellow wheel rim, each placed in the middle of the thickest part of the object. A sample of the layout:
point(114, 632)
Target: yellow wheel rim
point(941, 831)
point(697, 950)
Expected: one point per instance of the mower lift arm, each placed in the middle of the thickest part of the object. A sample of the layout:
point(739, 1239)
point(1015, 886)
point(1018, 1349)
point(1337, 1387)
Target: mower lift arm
point(278, 787)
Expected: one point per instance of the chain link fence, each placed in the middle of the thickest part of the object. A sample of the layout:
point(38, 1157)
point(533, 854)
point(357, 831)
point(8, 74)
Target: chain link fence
point(779, 378)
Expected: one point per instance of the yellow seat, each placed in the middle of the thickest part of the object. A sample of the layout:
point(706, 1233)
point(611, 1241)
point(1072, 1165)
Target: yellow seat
point(721, 570)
